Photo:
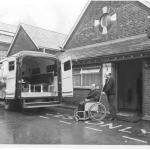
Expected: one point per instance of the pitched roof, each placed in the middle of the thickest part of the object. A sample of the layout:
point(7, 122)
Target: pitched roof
point(7, 28)
point(43, 38)
point(76, 23)
point(140, 43)
point(144, 2)
point(7, 32)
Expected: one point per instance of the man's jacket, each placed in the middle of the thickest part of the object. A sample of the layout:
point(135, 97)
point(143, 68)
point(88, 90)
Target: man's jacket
point(94, 94)
point(109, 87)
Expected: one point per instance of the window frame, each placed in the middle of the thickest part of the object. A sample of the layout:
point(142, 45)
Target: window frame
point(65, 67)
point(83, 71)
point(11, 67)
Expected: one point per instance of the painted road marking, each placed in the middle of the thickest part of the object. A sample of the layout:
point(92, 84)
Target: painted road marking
point(57, 116)
point(65, 122)
point(44, 117)
point(135, 139)
point(144, 131)
point(125, 130)
point(93, 129)
point(67, 117)
point(49, 114)
point(110, 126)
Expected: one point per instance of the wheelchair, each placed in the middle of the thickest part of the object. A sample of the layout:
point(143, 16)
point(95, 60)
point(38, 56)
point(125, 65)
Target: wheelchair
point(95, 111)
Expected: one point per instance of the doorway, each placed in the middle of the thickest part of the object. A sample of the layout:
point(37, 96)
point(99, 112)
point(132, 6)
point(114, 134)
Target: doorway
point(130, 86)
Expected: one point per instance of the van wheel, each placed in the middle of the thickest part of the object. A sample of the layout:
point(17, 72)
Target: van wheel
point(7, 105)
point(18, 106)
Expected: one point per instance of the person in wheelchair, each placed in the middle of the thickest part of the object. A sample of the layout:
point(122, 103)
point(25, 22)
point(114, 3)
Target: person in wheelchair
point(93, 96)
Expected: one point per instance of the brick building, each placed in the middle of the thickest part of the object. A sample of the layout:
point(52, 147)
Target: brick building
point(112, 36)
point(7, 33)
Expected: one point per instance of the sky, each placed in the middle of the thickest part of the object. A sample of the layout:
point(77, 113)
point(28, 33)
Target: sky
point(56, 15)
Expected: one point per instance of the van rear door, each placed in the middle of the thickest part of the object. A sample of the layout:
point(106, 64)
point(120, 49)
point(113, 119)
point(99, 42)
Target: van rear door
point(10, 67)
point(66, 74)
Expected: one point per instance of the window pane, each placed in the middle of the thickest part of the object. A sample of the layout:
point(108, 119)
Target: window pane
point(11, 65)
point(89, 79)
point(67, 65)
point(76, 80)
point(50, 68)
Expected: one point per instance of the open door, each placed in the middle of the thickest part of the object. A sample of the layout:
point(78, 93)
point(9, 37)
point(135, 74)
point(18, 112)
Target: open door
point(10, 66)
point(66, 74)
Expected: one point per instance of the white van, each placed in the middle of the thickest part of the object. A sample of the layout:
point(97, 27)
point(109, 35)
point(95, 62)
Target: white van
point(29, 80)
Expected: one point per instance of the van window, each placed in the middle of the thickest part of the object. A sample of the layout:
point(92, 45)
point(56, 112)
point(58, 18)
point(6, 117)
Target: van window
point(36, 71)
point(67, 65)
point(11, 65)
point(50, 68)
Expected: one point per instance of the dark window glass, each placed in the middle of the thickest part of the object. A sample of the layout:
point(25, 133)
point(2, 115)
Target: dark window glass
point(36, 71)
point(67, 65)
point(50, 68)
point(11, 65)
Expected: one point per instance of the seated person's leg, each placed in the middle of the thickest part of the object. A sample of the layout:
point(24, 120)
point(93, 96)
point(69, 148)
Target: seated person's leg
point(81, 108)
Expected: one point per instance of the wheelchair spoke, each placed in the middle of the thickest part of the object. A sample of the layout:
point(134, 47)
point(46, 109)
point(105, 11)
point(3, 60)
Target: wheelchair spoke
point(97, 111)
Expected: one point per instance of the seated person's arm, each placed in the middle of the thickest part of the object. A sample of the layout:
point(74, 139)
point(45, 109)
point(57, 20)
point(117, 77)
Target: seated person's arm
point(91, 94)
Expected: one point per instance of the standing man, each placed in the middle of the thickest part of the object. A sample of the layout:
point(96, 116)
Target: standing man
point(109, 89)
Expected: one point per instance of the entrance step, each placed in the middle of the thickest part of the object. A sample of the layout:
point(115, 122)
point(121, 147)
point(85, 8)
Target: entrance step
point(128, 116)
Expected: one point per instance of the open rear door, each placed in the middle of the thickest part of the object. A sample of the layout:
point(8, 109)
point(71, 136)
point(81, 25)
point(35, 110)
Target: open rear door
point(10, 68)
point(66, 74)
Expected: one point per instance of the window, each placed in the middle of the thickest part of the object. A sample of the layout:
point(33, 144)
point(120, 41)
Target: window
point(84, 77)
point(50, 68)
point(67, 65)
point(36, 71)
point(11, 65)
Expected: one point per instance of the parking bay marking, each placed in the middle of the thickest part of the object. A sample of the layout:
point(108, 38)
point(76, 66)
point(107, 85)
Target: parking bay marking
point(44, 117)
point(65, 122)
point(93, 129)
point(135, 139)
point(49, 114)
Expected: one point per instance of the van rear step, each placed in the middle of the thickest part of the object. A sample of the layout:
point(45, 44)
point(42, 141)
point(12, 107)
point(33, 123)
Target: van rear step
point(41, 104)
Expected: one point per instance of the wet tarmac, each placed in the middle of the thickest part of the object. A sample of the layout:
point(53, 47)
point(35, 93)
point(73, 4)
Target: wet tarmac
point(47, 127)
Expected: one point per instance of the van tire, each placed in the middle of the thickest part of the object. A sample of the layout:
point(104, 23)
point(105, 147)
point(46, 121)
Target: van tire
point(7, 105)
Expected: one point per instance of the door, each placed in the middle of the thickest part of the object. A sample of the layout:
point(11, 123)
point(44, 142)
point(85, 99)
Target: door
point(66, 74)
point(10, 67)
point(130, 85)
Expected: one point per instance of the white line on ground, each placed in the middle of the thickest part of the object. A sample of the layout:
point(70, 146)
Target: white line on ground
point(65, 122)
point(57, 116)
point(44, 117)
point(134, 139)
point(49, 114)
point(93, 129)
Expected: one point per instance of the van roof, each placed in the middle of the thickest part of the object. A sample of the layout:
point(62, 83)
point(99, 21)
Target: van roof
point(33, 54)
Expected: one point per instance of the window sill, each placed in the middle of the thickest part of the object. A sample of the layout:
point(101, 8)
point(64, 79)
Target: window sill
point(82, 87)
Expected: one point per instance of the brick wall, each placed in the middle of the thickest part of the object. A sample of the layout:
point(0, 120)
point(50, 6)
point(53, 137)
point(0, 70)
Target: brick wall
point(131, 20)
point(78, 96)
point(146, 90)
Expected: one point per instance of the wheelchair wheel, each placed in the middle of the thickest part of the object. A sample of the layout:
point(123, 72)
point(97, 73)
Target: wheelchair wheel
point(97, 112)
